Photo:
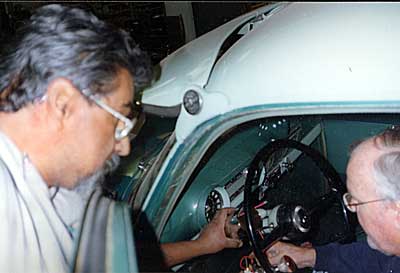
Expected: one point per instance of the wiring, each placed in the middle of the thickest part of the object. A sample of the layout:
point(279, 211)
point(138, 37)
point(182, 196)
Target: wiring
point(248, 266)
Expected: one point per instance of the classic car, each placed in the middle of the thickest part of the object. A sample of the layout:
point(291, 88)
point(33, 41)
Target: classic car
point(259, 114)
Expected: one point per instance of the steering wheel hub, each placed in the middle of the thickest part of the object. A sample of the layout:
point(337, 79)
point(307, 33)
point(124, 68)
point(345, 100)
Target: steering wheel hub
point(301, 219)
point(294, 219)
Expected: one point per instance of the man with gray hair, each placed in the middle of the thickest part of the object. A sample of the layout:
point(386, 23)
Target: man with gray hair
point(67, 90)
point(373, 182)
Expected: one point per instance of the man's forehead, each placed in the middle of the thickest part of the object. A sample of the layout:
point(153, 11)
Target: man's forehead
point(366, 151)
point(124, 91)
point(360, 166)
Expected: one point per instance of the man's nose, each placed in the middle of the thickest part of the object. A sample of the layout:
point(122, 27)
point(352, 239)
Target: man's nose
point(122, 147)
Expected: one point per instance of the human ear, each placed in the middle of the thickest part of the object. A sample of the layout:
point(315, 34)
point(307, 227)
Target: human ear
point(60, 96)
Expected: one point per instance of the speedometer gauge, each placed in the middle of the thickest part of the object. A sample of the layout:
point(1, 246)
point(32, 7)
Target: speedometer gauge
point(218, 198)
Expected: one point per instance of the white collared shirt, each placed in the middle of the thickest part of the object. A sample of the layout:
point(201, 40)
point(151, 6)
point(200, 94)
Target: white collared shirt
point(37, 228)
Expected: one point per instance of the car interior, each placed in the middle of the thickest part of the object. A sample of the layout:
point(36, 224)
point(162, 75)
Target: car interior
point(284, 175)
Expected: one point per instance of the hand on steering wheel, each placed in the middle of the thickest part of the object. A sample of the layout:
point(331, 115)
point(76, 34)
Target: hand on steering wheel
point(286, 219)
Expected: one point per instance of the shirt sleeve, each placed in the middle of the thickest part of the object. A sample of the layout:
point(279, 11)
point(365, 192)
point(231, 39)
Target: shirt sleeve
point(356, 258)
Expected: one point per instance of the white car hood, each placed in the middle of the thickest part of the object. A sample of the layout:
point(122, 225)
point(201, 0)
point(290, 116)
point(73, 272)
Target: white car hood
point(304, 55)
point(191, 64)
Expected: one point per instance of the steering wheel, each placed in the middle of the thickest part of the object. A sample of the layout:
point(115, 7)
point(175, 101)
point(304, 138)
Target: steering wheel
point(286, 220)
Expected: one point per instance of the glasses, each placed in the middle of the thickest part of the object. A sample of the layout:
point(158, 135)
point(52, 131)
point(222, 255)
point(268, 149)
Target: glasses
point(128, 124)
point(352, 206)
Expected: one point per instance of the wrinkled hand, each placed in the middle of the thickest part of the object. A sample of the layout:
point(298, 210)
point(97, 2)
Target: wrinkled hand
point(220, 233)
point(303, 256)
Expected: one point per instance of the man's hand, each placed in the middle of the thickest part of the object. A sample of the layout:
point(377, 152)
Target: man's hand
point(303, 256)
point(217, 235)
point(220, 233)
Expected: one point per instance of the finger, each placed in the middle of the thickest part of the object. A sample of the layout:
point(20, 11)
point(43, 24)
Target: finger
point(306, 244)
point(220, 216)
point(230, 211)
point(232, 231)
point(229, 214)
point(233, 243)
point(272, 253)
point(282, 267)
point(273, 256)
point(226, 212)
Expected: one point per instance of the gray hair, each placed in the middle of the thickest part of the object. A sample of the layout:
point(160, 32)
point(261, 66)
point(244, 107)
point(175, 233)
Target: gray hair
point(66, 42)
point(96, 180)
point(386, 167)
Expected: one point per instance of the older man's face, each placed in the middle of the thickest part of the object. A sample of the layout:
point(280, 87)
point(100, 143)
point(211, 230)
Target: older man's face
point(91, 134)
point(375, 218)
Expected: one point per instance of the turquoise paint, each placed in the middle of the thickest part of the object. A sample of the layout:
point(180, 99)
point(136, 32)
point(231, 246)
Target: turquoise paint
point(120, 241)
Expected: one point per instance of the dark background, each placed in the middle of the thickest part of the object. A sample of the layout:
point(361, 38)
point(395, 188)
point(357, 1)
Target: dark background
point(147, 22)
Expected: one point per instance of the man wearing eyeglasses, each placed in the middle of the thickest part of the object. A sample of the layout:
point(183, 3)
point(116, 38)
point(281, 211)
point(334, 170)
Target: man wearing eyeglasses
point(66, 93)
point(373, 182)
point(67, 87)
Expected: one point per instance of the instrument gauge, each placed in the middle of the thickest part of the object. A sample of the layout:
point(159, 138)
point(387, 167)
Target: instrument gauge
point(218, 198)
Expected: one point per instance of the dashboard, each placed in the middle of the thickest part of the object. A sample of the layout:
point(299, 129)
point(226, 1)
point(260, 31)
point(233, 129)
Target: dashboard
point(219, 181)
point(231, 194)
